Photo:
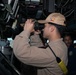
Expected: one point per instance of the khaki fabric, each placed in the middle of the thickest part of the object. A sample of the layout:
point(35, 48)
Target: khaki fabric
point(35, 40)
point(56, 18)
point(39, 57)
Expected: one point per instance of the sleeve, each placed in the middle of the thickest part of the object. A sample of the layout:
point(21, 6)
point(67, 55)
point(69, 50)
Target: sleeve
point(35, 40)
point(31, 55)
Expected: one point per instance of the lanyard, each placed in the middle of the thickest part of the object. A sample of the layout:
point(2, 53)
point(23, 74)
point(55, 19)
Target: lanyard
point(60, 62)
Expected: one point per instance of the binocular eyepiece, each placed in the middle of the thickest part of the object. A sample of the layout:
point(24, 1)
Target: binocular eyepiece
point(38, 26)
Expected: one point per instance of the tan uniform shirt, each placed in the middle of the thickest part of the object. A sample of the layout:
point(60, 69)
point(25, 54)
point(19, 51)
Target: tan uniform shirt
point(35, 41)
point(39, 57)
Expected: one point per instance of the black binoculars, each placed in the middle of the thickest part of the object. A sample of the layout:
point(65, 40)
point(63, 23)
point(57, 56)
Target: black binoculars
point(38, 26)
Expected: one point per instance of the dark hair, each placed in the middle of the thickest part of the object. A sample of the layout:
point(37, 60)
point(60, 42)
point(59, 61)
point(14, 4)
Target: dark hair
point(61, 29)
point(67, 34)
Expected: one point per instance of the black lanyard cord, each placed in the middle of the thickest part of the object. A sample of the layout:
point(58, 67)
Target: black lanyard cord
point(60, 62)
point(52, 51)
point(57, 58)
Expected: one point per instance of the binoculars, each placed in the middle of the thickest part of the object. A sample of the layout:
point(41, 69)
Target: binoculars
point(38, 26)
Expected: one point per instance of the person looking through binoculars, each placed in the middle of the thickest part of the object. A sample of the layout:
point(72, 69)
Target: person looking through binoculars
point(43, 59)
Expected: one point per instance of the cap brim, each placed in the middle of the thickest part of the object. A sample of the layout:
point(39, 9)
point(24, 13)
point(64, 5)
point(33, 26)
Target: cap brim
point(42, 21)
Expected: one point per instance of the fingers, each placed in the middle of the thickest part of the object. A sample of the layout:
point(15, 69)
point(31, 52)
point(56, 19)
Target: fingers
point(37, 32)
point(29, 25)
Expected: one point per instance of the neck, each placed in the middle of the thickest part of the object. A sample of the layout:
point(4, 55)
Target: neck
point(55, 37)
